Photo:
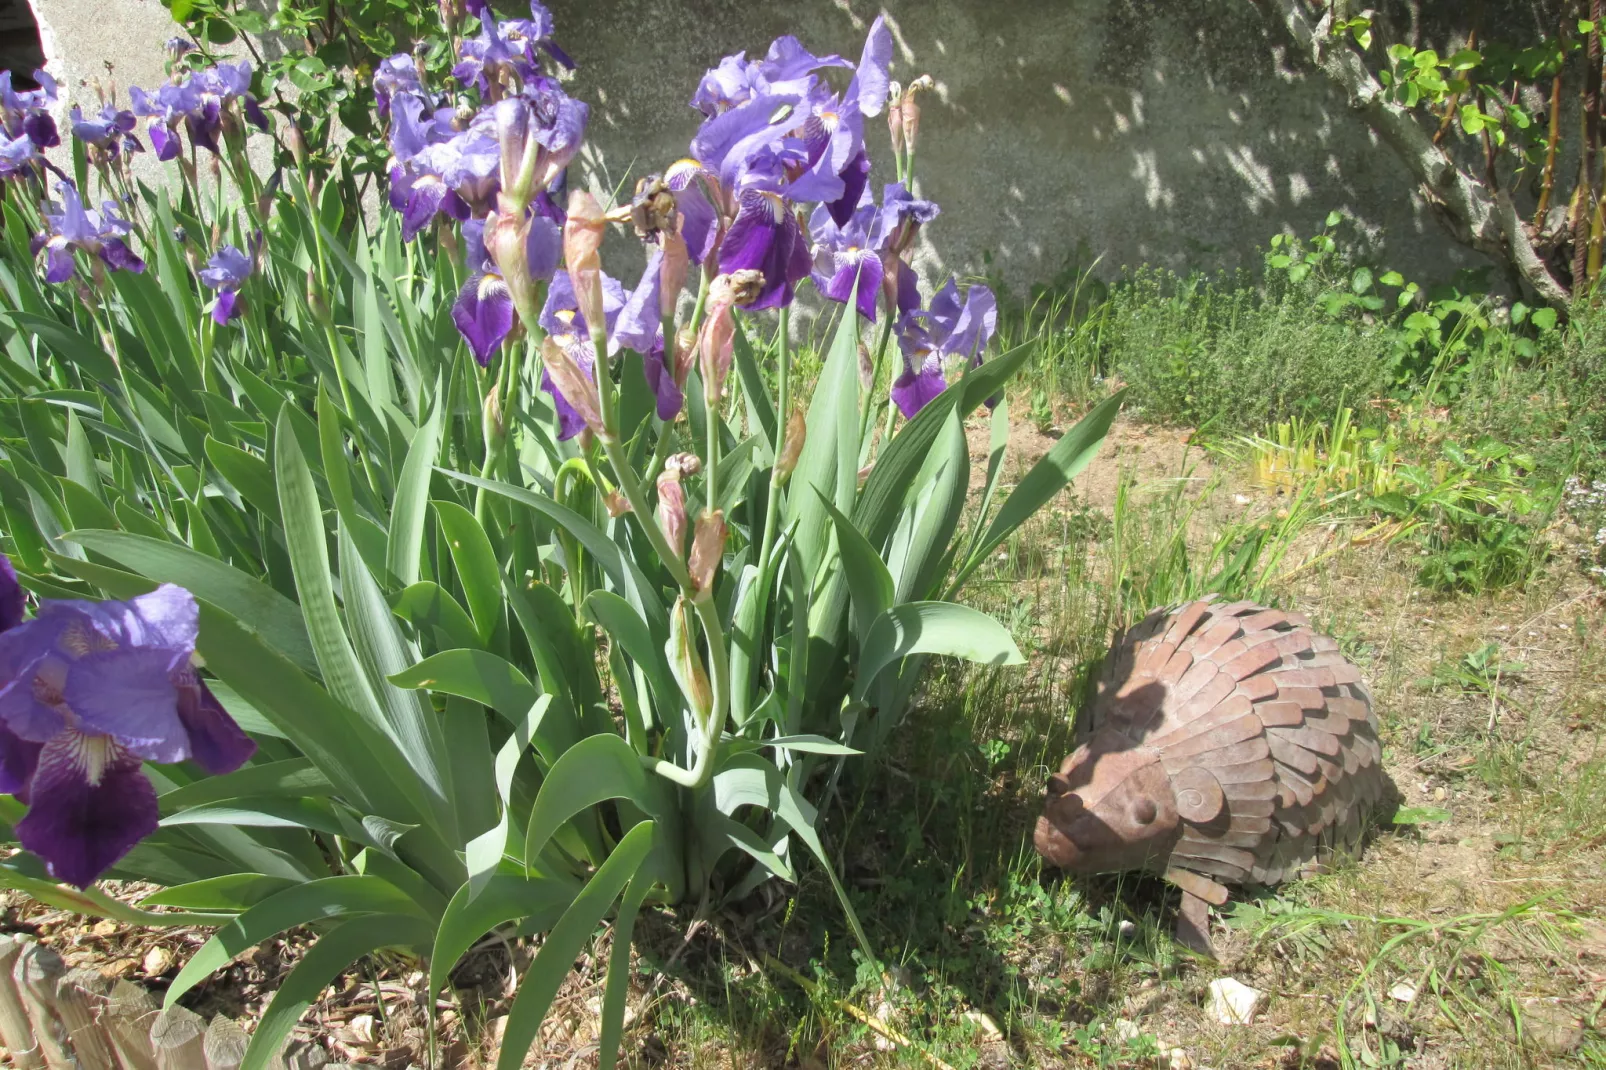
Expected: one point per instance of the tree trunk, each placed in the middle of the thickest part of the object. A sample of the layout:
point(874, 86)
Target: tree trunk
point(1476, 215)
point(1584, 217)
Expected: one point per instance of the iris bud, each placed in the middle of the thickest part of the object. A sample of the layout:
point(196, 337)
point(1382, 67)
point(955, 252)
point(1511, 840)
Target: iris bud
point(491, 415)
point(687, 663)
point(672, 508)
point(512, 119)
point(582, 237)
point(672, 271)
point(685, 355)
point(506, 236)
point(718, 336)
point(791, 445)
point(707, 550)
point(574, 384)
point(911, 108)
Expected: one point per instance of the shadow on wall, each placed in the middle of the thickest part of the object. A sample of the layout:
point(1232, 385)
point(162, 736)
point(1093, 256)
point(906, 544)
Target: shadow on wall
point(20, 50)
point(1139, 131)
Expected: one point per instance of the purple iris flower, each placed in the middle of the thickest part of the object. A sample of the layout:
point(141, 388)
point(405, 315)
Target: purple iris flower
point(27, 114)
point(900, 219)
point(111, 131)
point(226, 272)
point(395, 74)
point(202, 101)
point(561, 319)
point(177, 48)
point(766, 237)
point(18, 155)
point(946, 331)
point(543, 114)
point(640, 327)
point(787, 68)
point(437, 169)
point(844, 253)
point(513, 45)
point(892, 233)
point(423, 188)
point(76, 227)
point(838, 165)
point(731, 194)
point(166, 107)
point(483, 311)
point(91, 690)
point(776, 135)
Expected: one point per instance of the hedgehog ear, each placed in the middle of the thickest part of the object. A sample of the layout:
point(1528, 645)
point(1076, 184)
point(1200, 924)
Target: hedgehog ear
point(1198, 793)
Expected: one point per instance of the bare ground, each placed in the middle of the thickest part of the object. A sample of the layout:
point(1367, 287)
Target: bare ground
point(1510, 777)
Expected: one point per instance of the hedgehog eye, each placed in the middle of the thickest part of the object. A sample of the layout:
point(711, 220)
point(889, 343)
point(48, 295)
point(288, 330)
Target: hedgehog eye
point(1144, 811)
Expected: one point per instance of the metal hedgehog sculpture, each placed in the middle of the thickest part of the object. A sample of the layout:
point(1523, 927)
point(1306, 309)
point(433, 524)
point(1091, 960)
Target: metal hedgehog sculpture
point(1228, 744)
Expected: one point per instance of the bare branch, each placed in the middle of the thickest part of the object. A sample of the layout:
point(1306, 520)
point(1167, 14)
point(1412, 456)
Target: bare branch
point(1470, 208)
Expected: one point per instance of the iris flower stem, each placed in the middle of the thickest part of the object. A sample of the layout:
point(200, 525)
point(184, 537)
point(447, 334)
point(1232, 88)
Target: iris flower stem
point(506, 385)
point(892, 404)
point(711, 461)
point(326, 317)
point(333, 340)
point(158, 484)
point(702, 302)
point(783, 375)
point(660, 448)
point(875, 377)
point(630, 485)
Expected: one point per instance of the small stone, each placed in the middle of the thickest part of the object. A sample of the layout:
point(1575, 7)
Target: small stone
point(988, 1027)
point(104, 928)
point(1177, 1059)
point(1439, 795)
point(1551, 1028)
point(157, 961)
point(1403, 992)
point(1126, 929)
point(1234, 1003)
point(883, 1013)
point(1125, 1030)
point(362, 1029)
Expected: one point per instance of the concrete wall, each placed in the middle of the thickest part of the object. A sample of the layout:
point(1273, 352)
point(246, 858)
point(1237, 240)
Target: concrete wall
point(1136, 131)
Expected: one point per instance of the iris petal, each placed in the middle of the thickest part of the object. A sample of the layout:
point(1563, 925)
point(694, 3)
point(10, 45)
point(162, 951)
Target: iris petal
point(766, 237)
point(89, 804)
point(483, 313)
point(18, 759)
point(129, 694)
point(217, 744)
point(917, 387)
point(12, 600)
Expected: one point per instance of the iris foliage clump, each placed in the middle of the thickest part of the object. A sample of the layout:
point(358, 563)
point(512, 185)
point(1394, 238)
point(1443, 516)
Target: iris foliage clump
point(434, 578)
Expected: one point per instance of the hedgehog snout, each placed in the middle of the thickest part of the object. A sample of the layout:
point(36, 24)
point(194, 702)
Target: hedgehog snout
point(1054, 845)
